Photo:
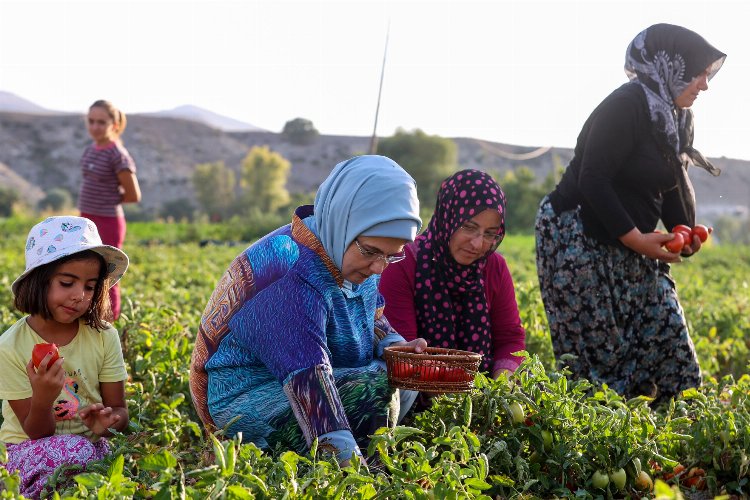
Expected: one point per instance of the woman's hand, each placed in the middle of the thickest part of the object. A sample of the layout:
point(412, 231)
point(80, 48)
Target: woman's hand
point(46, 382)
point(418, 344)
point(650, 245)
point(695, 244)
point(99, 418)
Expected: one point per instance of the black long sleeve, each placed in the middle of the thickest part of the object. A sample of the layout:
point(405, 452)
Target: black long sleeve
point(620, 175)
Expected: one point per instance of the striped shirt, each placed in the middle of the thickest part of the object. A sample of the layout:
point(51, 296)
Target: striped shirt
point(100, 189)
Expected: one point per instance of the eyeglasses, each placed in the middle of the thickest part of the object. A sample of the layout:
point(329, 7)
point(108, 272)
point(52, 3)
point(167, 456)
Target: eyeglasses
point(373, 256)
point(473, 232)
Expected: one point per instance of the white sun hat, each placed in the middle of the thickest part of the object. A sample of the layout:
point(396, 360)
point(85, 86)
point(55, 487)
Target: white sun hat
point(57, 237)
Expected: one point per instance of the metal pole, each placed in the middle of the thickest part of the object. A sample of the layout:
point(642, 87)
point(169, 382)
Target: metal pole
point(374, 138)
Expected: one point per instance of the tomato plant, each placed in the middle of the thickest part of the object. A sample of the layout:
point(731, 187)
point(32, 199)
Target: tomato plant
point(41, 350)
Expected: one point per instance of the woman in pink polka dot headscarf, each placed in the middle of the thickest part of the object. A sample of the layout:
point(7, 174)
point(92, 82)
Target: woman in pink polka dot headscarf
point(453, 289)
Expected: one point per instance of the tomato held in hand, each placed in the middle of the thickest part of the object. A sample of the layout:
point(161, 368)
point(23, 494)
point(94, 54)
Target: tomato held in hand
point(686, 233)
point(701, 232)
point(41, 350)
point(675, 244)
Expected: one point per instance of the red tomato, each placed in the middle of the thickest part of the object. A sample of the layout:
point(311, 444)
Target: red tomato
point(433, 373)
point(41, 350)
point(427, 372)
point(686, 233)
point(403, 370)
point(455, 375)
point(675, 244)
point(701, 232)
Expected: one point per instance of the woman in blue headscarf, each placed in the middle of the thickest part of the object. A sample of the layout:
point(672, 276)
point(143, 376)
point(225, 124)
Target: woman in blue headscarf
point(290, 345)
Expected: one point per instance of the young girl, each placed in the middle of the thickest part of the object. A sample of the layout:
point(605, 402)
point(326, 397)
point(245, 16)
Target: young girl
point(109, 180)
point(56, 413)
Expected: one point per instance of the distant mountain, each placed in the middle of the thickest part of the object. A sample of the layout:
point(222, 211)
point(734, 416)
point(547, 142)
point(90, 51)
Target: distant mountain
point(12, 103)
point(200, 115)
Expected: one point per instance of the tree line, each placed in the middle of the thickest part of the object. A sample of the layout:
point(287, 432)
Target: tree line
point(255, 198)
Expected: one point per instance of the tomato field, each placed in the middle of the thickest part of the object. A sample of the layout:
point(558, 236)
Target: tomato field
point(535, 435)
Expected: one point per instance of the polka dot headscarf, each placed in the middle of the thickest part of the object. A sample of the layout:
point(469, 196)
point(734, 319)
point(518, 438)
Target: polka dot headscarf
point(451, 305)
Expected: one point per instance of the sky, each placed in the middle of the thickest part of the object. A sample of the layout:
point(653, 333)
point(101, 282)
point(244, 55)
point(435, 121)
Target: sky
point(519, 72)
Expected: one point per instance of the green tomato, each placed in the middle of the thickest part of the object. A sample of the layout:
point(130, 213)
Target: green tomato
point(516, 412)
point(618, 478)
point(547, 439)
point(599, 480)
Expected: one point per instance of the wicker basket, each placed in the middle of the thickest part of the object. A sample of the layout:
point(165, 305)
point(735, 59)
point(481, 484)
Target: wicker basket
point(435, 370)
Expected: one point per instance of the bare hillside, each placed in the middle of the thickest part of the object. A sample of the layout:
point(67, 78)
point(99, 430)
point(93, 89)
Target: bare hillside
point(43, 152)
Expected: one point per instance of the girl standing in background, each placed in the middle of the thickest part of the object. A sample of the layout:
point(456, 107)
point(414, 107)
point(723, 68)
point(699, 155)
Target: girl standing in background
point(109, 180)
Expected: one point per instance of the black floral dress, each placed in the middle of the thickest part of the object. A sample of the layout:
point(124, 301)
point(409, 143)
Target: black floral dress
point(631, 334)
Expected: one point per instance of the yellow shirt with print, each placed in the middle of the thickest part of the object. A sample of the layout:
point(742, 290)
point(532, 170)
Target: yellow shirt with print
point(91, 357)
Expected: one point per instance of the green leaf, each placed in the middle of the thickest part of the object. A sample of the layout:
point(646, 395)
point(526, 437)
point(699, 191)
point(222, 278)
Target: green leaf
point(477, 483)
point(236, 491)
point(90, 480)
point(158, 461)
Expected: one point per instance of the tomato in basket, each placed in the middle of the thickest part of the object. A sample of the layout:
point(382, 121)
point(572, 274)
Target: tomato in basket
point(403, 370)
point(455, 375)
point(442, 374)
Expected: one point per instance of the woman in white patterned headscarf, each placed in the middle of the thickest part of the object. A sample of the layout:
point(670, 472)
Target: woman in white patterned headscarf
point(603, 271)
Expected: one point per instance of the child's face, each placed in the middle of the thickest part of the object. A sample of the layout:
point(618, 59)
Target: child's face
point(71, 289)
point(101, 127)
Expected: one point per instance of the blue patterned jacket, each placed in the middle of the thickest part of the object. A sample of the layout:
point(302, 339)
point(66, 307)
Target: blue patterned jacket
point(276, 329)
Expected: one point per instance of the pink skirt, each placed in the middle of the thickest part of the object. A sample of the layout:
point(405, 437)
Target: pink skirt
point(37, 459)
point(112, 231)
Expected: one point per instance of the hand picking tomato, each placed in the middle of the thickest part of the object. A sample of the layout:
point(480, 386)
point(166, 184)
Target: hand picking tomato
point(701, 232)
point(675, 244)
point(41, 350)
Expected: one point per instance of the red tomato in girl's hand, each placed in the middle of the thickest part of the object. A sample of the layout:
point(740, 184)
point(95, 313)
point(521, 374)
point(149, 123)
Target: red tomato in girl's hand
point(675, 244)
point(41, 350)
point(701, 232)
